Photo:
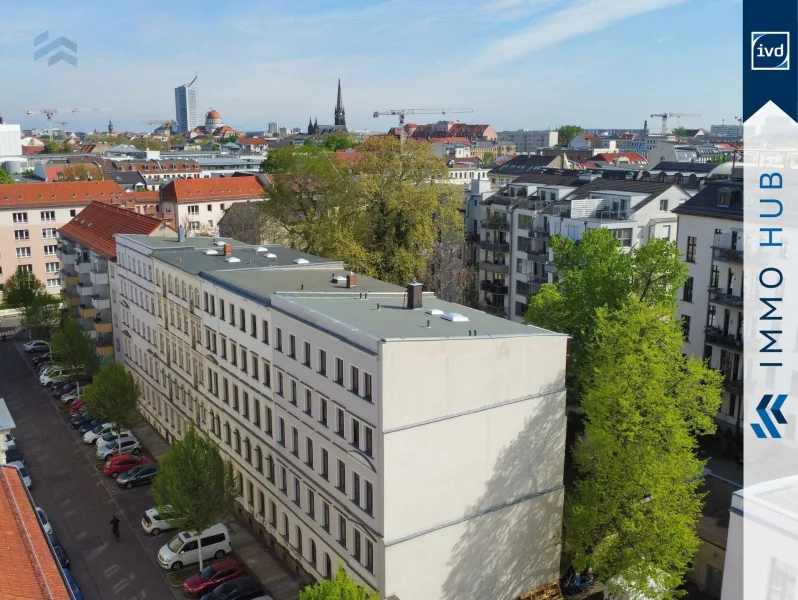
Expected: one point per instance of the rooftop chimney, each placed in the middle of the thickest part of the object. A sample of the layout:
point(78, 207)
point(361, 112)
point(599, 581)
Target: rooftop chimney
point(181, 234)
point(228, 249)
point(414, 294)
point(351, 280)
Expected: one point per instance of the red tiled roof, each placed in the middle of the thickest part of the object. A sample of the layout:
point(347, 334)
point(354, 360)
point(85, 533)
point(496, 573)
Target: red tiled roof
point(255, 141)
point(145, 196)
point(32, 149)
point(63, 193)
point(451, 140)
point(29, 567)
point(96, 225)
point(54, 173)
point(211, 188)
point(609, 157)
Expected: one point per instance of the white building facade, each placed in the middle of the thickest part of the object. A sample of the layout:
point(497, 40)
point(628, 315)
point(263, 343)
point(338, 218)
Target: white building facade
point(526, 140)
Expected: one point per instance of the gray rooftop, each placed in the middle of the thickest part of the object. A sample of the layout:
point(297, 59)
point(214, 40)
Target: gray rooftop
point(393, 321)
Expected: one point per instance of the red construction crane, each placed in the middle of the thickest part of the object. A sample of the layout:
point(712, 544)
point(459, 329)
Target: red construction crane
point(52, 111)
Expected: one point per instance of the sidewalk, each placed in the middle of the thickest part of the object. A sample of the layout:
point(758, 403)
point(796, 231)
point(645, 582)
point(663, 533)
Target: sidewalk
point(245, 546)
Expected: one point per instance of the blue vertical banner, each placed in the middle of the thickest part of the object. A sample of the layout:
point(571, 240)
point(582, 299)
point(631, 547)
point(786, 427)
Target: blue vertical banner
point(770, 28)
point(762, 546)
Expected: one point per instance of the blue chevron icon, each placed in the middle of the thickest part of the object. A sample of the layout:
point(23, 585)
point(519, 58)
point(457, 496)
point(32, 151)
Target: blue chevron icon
point(66, 49)
point(764, 416)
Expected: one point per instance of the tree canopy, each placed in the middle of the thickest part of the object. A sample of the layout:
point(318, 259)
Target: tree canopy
point(636, 502)
point(567, 133)
point(5, 177)
point(113, 395)
point(41, 315)
point(195, 487)
point(340, 587)
point(83, 173)
point(21, 288)
point(340, 141)
point(75, 348)
point(52, 148)
point(680, 132)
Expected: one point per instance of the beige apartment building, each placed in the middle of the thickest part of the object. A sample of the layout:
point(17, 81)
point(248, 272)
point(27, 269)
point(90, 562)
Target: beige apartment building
point(360, 431)
point(30, 216)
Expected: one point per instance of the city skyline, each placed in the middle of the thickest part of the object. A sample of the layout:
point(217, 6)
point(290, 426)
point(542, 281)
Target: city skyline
point(518, 63)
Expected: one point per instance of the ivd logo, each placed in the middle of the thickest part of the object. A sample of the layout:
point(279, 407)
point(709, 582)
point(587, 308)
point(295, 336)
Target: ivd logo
point(770, 51)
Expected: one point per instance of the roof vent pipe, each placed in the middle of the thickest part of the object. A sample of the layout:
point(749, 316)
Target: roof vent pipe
point(414, 294)
point(228, 249)
point(351, 280)
point(181, 234)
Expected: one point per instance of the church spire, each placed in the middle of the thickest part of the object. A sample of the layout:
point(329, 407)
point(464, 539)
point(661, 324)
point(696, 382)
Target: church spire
point(310, 126)
point(340, 112)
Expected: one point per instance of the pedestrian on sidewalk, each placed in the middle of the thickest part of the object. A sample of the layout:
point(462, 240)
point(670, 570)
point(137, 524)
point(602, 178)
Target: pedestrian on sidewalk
point(115, 527)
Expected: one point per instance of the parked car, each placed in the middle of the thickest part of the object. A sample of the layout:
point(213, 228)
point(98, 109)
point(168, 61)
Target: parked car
point(112, 436)
point(122, 463)
point(153, 523)
point(77, 594)
point(36, 346)
point(15, 456)
point(244, 588)
point(79, 420)
point(212, 577)
point(37, 360)
point(183, 549)
point(91, 437)
point(48, 529)
point(58, 550)
point(87, 427)
point(11, 442)
point(138, 475)
point(76, 404)
point(78, 412)
point(46, 367)
point(23, 473)
point(129, 445)
point(59, 386)
point(70, 388)
point(57, 374)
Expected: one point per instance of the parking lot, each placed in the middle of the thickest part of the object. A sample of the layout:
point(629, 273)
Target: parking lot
point(68, 483)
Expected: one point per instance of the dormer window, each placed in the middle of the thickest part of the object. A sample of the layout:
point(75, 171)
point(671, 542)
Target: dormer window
point(724, 197)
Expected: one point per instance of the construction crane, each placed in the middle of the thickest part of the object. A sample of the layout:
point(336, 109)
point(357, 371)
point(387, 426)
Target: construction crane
point(53, 111)
point(63, 125)
point(401, 112)
point(666, 115)
point(165, 123)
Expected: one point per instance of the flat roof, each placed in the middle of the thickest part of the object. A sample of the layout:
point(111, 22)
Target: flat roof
point(391, 321)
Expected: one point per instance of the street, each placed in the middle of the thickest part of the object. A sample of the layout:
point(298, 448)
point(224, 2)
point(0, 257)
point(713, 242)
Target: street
point(68, 483)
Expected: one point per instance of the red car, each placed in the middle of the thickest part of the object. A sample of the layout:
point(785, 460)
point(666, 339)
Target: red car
point(116, 465)
point(75, 404)
point(212, 577)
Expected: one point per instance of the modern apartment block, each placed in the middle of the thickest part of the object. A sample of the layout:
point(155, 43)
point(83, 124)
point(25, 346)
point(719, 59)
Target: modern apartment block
point(512, 228)
point(359, 428)
point(30, 215)
point(86, 247)
point(527, 140)
point(711, 240)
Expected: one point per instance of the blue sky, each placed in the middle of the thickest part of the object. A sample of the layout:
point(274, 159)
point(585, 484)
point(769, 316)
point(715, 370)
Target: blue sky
point(517, 63)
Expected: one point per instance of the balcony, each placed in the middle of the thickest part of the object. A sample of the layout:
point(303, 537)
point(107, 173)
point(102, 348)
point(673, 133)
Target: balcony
point(70, 300)
point(86, 312)
point(538, 233)
point(68, 279)
point(102, 327)
point(98, 278)
point(492, 308)
point(83, 267)
point(612, 215)
point(495, 287)
point(66, 256)
point(100, 303)
point(729, 255)
point(718, 296)
point(105, 350)
point(494, 267)
point(88, 326)
point(85, 289)
point(496, 224)
point(472, 237)
point(716, 337)
point(733, 386)
point(494, 246)
point(550, 268)
point(531, 204)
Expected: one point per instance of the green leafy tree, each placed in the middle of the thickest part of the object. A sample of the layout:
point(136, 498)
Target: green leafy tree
point(340, 141)
point(83, 173)
point(635, 506)
point(67, 147)
point(75, 348)
point(5, 177)
point(310, 142)
point(113, 395)
point(680, 132)
point(52, 148)
point(567, 133)
point(41, 316)
point(22, 287)
point(340, 587)
point(229, 139)
point(195, 487)
point(489, 158)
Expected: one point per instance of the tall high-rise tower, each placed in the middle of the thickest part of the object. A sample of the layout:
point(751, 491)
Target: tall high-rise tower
point(340, 113)
point(186, 106)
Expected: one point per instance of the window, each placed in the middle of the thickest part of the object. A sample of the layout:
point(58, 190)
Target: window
point(50, 250)
point(369, 556)
point(292, 346)
point(255, 375)
point(285, 525)
point(325, 464)
point(369, 435)
point(339, 371)
point(193, 225)
point(243, 359)
point(280, 384)
point(235, 397)
point(624, 236)
point(323, 411)
point(293, 392)
point(265, 332)
point(342, 531)
point(232, 315)
point(306, 354)
point(280, 431)
point(193, 209)
point(724, 197)
point(268, 421)
point(322, 362)
point(688, 290)
point(356, 488)
point(294, 441)
point(367, 387)
point(267, 374)
point(781, 583)
point(73, 212)
point(325, 516)
point(297, 491)
point(714, 276)
point(20, 217)
point(26, 268)
point(340, 422)
point(356, 433)
point(308, 403)
point(233, 354)
point(48, 215)
point(356, 546)
point(691, 246)
point(369, 507)
point(210, 207)
point(311, 508)
point(686, 327)
point(53, 282)
point(23, 252)
point(52, 267)
point(283, 480)
point(242, 314)
point(221, 309)
point(342, 476)
point(309, 452)
point(663, 204)
point(21, 235)
point(279, 334)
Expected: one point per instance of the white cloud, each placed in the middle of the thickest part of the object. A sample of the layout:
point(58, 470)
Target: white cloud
point(578, 18)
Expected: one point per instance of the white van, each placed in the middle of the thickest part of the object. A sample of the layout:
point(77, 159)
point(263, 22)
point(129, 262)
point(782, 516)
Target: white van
point(182, 549)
